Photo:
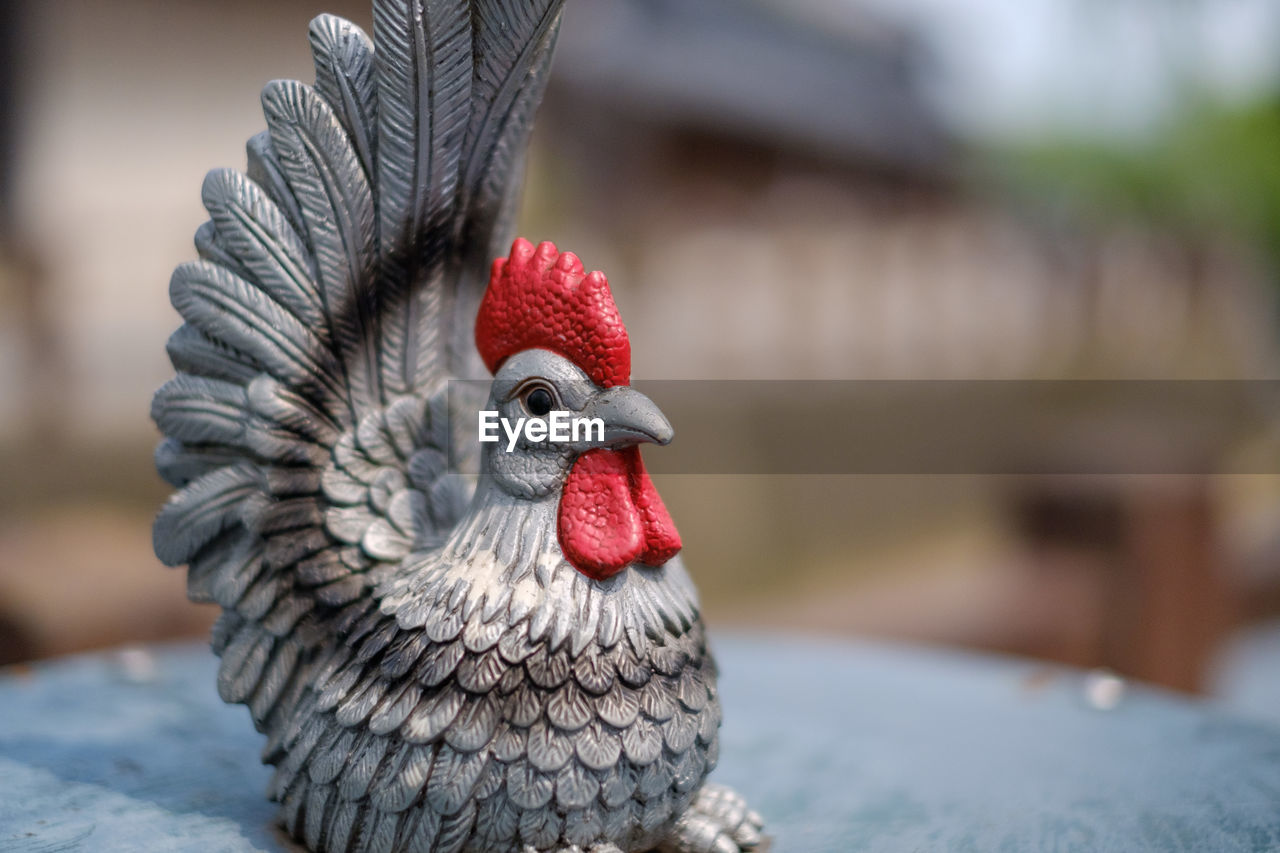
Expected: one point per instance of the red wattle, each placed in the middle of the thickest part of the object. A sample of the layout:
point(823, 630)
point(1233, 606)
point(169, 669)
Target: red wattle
point(661, 539)
point(610, 515)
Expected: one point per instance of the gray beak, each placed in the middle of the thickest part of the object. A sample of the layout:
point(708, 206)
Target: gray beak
point(629, 418)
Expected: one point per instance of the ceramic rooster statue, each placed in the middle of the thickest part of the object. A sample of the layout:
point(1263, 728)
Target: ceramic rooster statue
point(514, 666)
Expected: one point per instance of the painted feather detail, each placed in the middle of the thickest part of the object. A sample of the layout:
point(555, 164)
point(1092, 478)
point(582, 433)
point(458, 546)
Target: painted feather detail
point(521, 764)
point(423, 52)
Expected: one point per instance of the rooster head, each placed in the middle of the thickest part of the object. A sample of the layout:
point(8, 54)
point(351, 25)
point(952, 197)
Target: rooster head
point(553, 338)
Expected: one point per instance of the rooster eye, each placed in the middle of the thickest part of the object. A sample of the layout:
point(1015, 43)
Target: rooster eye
point(539, 401)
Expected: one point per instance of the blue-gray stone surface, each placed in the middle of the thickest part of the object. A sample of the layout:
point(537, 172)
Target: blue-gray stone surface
point(842, 747)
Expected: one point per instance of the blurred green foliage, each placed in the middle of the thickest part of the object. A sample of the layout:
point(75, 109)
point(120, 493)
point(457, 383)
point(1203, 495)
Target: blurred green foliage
point(1213, 170)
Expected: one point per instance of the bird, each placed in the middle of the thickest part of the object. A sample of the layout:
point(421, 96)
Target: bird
point(449, 645)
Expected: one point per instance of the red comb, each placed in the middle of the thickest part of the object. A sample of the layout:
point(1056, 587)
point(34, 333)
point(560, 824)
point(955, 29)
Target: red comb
point(542, 299)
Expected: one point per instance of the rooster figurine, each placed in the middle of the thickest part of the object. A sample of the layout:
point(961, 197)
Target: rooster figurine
point(518, 666)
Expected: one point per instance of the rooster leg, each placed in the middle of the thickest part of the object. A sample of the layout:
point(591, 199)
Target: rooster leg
point(598, 848)
point(718, 821)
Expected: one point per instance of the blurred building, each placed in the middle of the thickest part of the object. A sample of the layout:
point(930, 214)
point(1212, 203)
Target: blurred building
point(798, 187)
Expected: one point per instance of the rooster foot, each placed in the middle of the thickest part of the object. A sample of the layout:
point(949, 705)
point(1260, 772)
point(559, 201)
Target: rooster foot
point(718, 821)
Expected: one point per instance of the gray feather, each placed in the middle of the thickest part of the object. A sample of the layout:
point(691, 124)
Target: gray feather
point(243, 662)
point(362, 766)
point(617, 784)
point(430, 719)
point(343, 819)
point(255, 233)
point(192, 351)
point(474, 725)
point(423, 830)
point(523, 707)
point(210, 247)
point(338, 688)
point(576, 787)
point(288, 515)
point(452, 779)
point(620, 823)
point(481, 673)
point(380, 830)
point(669, 659)
point(513, 45)
point(203, 509)
point(491, 780)
point(619, 707)
point(583, 826)
point(275, 678)
point(642, 742)
point(515, 646)
point(290, 808)
point(331, 757)
point(657, 700)
point(688, 771)
point(654, 781)
point(345, 77)
point(680, 731)
point(229, 309)
point(594, 672)
point(540, 828)
point(395, 709)
point(441, 664)
point(222, 557)
point(456, 829)
point(317, 808)
point(423, 50)
point(479, 636)
point(338, 212)
point(568, 708)
point(598, 747)
point(264, 170)
point(692, 689)
point(410, 776)
point(631, 670)
point(509, 742)
point(497, 822)
point(548, 748)
point(529, 789)
point(548, 671)
point(198, 410)
point(239, 565)
point(357, 707)
point(179, 465)
point(404, 654)
point(261, 596)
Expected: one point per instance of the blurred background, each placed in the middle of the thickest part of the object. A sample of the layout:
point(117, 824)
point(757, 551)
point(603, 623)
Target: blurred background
point(778, 189)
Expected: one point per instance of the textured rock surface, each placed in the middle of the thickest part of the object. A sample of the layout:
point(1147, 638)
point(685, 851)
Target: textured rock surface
point(841, 747)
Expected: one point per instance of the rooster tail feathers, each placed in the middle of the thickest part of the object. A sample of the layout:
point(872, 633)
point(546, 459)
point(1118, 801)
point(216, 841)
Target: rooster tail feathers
point(423, 50)
point(307, 430)
point(513, 44)
point(321, 165)
point(457, 86)
point(345, 78)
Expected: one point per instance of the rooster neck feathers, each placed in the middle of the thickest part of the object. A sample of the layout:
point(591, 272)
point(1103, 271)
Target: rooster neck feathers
point(503, 561)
